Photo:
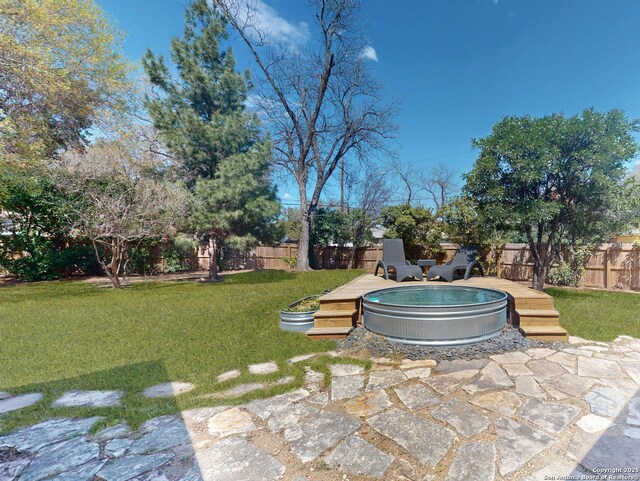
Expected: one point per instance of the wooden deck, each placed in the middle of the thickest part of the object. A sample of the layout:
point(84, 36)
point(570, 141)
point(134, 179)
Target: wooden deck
point(530, 310)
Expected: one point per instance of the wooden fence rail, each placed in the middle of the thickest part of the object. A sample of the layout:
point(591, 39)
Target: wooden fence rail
point(611, 266)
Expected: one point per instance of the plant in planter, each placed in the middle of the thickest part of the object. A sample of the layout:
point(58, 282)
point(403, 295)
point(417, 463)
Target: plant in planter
point(298, 317)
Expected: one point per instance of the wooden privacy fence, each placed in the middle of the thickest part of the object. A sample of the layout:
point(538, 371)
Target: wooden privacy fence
point(612, 266)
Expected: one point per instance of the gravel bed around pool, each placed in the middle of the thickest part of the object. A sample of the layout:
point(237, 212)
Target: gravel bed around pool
point(378, 346)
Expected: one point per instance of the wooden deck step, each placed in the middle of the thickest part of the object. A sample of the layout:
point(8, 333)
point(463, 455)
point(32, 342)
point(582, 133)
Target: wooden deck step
point(344, 318)
point(533, 303)
point(538, 317)
point(338, 304)
point(545, 333)
point(329, 332)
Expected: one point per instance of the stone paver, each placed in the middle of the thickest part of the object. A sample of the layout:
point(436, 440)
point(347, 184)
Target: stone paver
point(235, 459)
point(527, 386)
point(570, 384)
point(418, 372)
point(264, 368)
point(117, 447)
point(368, 404)
point(549, 416)
point(501, 402)
point(540, 352)
point(445, 384)
point(168, 389)
point(318, 433)
point(303, 357)
point(598, 368)
point(425, 440)
point(170, 431)
point(240, 390)
point(60, 457)
point(226, 376)
point(229, 422)
point(128, 467)
point(515, 357)
point(568, 361)
point(86, 472)
point(384, 379)
point(346, 387)
point(518, 443)
point(633, 433)
point(416, 396)
point(461, 365)
point(121, 430)
point(544, 370)
point(420, 363)
point(517, 370)
point(10, 470)
point(356, 456)
point(201, 415)
point(461, 416)
point(474, 460)
point(491, 377)
point(264, 408)
point(592, 423)
point(633, 416)
point(559, 470)
point(94, 399)
point(605, 401)
point(289, 417)
point(33, 438)
point(345, 369)
point(18, 402)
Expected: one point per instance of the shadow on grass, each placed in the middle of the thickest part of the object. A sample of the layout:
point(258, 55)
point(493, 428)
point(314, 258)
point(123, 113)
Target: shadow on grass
point(260, 277)
point(131, 379)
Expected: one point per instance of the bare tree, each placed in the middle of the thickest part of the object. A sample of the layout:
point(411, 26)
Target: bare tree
point(322, 105)
point(408, 175)
point(440, 184)
point(116, 198)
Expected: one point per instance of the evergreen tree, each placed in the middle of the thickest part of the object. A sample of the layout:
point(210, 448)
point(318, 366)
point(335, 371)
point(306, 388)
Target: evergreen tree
point(201, 118)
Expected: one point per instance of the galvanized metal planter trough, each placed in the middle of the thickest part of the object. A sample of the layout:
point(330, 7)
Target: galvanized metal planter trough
point(435, 314)
point(297, 321)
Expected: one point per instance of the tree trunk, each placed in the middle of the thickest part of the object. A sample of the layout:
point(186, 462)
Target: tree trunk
point(540, 270)
point(213, 259)
point(302, 261)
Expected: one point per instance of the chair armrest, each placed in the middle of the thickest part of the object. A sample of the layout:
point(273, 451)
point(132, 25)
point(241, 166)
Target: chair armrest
point(470, 267)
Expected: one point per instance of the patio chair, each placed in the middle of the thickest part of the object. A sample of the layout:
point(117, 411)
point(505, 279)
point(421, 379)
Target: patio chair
point(393, 259)
point(459, 267)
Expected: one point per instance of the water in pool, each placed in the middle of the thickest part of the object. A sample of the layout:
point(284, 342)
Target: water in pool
point(433, 296)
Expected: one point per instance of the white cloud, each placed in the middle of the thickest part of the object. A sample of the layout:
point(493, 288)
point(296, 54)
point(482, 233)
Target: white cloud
point(370, 53)
point(287, 196)
point(269, 23)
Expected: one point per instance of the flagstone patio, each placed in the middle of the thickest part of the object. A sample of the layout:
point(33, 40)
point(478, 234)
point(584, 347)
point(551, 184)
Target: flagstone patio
point(515, 416)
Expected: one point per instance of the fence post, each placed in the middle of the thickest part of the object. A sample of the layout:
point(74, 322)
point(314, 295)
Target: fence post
point(607, 269)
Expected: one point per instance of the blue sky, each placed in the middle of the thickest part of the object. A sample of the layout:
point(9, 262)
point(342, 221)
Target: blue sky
point(458, 66)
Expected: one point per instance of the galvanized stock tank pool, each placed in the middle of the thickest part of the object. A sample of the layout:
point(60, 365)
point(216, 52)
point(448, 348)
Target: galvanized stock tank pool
point(435, 315)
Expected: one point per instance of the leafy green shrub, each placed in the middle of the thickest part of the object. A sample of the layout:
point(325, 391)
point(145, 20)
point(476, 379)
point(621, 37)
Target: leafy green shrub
point(569, 272)
point(416, 226)
point(180, 254)
point(290, 261)
point(36, 258)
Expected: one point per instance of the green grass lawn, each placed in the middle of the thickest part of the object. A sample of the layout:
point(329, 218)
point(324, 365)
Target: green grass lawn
point(597, 315)
point(59, 336)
